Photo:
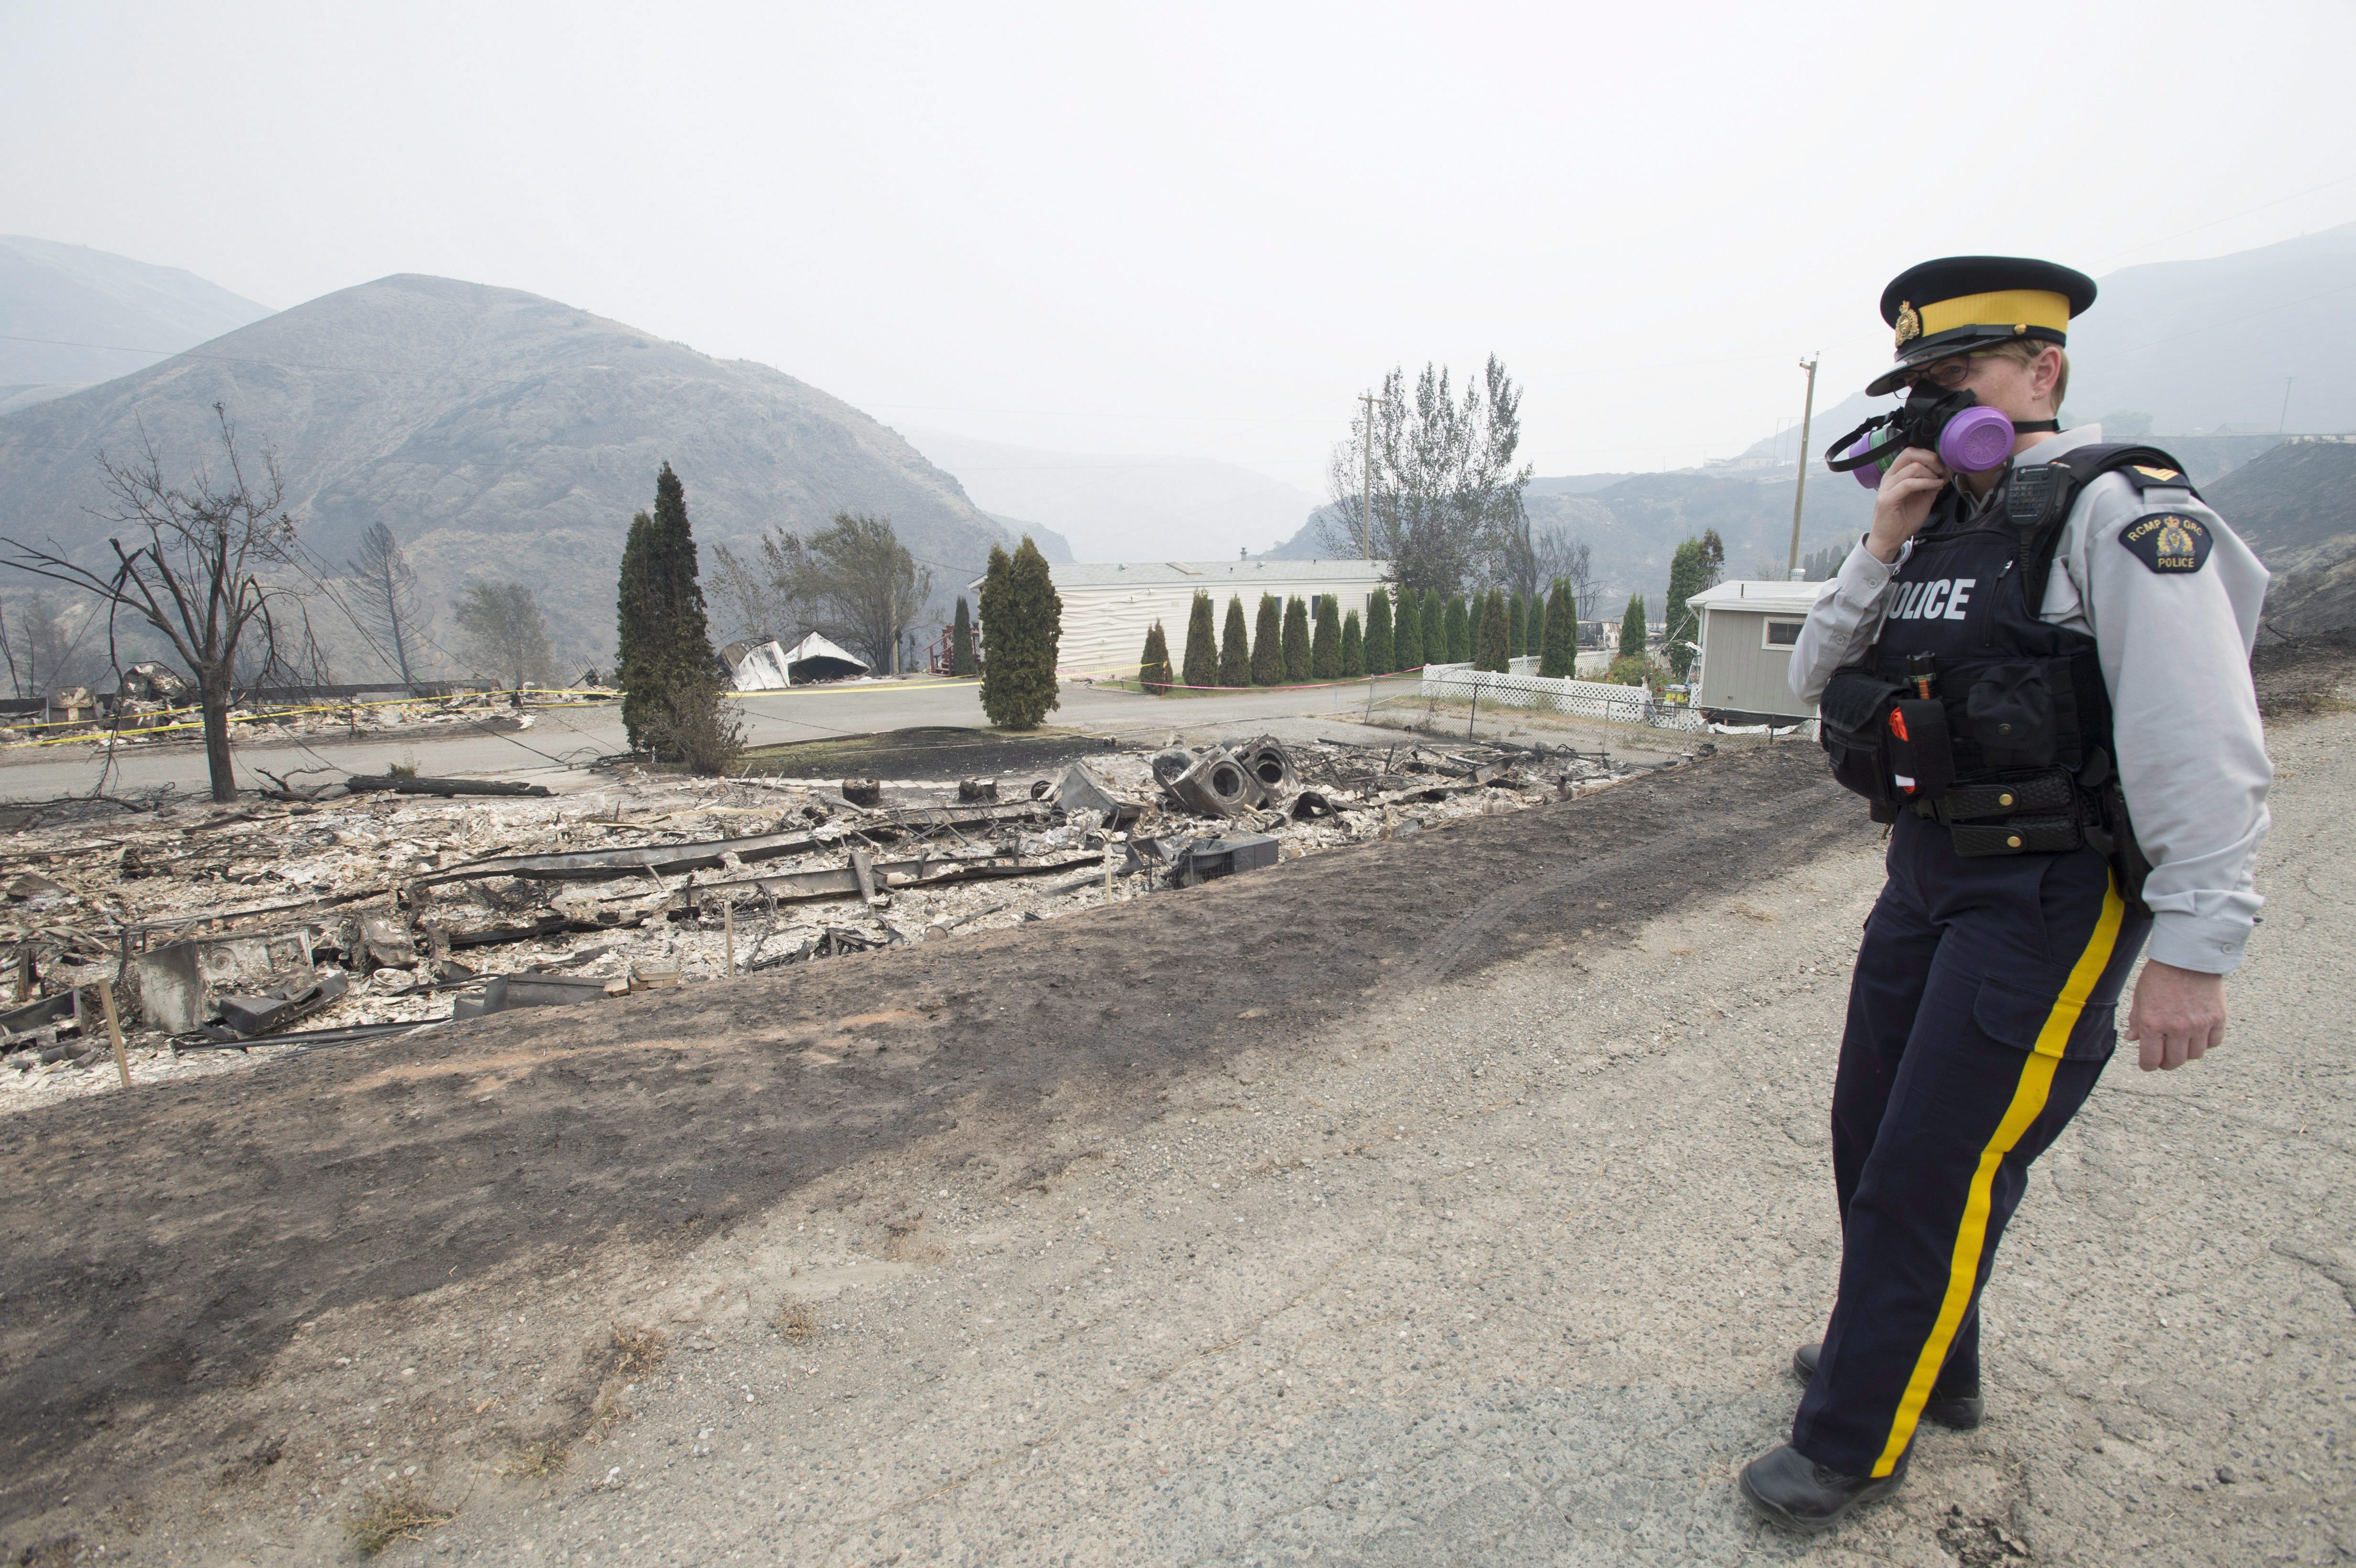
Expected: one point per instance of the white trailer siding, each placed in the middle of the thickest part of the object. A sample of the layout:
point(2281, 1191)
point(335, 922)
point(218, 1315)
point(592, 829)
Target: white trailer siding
point(1108, 607)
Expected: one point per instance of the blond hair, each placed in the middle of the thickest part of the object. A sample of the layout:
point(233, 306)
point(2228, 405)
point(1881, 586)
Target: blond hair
point(2025, 351)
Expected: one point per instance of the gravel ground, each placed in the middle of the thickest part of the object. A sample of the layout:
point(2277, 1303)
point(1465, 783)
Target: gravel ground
point(1514, 1278)
point(1507, 1270)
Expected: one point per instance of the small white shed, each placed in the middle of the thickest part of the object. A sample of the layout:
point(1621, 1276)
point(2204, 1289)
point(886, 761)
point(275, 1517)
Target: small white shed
point(1747, 630)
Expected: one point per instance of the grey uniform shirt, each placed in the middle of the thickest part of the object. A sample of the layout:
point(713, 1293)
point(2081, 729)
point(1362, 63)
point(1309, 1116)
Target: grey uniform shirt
point(2175, 651)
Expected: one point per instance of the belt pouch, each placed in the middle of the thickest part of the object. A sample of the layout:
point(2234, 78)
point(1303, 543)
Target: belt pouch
point(2029, 835)
point(2020, 795)
point(1854, 709)
point(1922, 756)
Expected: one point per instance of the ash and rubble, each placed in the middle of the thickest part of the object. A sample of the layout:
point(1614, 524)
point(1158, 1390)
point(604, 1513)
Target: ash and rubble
point(152, 709)
point(239, 933)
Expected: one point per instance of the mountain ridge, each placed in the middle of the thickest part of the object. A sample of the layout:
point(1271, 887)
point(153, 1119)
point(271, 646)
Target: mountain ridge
point(70, 315)
point(499, 434)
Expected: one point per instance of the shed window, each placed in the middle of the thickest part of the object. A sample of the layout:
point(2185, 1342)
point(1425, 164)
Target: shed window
point(1782, 633)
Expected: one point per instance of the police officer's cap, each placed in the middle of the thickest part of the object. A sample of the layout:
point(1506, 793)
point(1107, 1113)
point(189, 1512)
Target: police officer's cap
point(1957, 303)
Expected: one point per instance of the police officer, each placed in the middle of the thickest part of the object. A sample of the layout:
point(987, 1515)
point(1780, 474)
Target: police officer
point(2038, 673)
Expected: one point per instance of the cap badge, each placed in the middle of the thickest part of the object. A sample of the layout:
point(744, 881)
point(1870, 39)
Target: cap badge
point(1910, 324)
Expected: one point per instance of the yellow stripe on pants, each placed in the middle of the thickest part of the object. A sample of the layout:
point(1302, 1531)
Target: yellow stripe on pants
point(1971, 1237)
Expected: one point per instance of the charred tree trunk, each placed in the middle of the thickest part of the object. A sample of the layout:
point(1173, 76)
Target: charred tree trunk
point(213, 702)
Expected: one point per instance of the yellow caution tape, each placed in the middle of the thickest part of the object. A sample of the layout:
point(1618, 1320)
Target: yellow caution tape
point(95, 730)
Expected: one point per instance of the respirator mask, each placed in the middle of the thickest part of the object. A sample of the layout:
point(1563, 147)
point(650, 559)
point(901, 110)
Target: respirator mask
point(1969, 437)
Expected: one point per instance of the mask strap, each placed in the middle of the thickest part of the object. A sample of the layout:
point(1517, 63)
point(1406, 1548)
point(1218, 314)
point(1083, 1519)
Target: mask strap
point(1840, 465)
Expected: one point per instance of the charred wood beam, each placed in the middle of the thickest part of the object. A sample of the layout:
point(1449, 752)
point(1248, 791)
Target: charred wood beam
point(362, 782)
point(889, 876)
point(703, 854)
point(547, 925)
point(180, 923)
point(309, 1039)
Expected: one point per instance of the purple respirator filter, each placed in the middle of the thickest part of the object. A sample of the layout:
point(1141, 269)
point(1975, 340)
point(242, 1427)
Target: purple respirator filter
point(1973, 442)
point(1870, 475)
point(1976, 441)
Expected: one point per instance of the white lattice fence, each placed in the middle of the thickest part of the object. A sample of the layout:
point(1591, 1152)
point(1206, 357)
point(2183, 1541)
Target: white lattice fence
point(1581, 698)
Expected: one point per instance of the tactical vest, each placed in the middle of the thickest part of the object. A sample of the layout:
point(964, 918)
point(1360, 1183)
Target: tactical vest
point(1973, 712)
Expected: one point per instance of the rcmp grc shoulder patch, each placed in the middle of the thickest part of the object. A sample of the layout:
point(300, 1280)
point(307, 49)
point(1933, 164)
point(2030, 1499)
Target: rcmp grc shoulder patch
point(2168, 542)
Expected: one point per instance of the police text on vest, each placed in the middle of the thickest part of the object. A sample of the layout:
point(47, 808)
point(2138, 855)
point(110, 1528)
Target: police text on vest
point(1941, 600)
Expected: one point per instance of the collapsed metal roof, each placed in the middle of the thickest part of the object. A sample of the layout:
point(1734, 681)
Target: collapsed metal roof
point(771, 665)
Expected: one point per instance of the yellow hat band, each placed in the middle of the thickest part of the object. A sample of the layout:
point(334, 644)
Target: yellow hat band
point(2005, 307)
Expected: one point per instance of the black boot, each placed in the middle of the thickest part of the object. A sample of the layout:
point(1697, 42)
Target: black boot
point(1961, 1408)
point(1798, 1493)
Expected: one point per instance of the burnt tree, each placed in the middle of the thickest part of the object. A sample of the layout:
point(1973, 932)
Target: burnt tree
point(212, 564)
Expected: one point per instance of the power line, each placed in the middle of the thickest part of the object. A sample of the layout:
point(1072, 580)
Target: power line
point(2147, 244)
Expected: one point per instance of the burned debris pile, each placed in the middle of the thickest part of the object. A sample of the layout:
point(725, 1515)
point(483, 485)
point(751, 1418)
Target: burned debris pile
point(308, 923)
point(152, 709)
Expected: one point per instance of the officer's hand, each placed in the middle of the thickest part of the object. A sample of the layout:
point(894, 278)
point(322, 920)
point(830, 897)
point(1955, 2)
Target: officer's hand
point(2178, 1014)
point(1903, 503)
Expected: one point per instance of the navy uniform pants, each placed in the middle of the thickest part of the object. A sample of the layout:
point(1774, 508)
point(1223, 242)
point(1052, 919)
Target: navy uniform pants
point(1980, 1014)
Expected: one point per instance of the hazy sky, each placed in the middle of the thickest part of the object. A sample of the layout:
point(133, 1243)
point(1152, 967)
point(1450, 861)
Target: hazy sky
point(1195, 229)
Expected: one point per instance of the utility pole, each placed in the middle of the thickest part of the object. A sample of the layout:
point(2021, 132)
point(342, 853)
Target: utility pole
point(1800, 489)
point(2282, 420)
point(1366, 493)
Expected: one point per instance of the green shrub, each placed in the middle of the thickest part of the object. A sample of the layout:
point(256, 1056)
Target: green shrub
point(1631, 628)
point(1629, 669)
point(1687, 578)
point(1490, 652)
point(1268, 644)
point(1201, 666)
point(1296, 640)
point(1153, 663)
point(1378, 651)
point(694, 723)
point(1325, 642)
point(664, 638)
point(1560, 656)
point(961, 640)
point(1022, 625)
point(1235, 646)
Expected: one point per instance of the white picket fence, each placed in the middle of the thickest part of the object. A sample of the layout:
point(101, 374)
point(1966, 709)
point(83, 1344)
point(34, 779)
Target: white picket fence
point(1582, 698)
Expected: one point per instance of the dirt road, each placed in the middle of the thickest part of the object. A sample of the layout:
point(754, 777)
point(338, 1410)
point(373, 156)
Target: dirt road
point(1454, 1199)
point(571, 737)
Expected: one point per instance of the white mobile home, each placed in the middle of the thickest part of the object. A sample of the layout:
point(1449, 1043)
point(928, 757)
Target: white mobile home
point(1107, 606)
point(1746, 632)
